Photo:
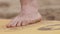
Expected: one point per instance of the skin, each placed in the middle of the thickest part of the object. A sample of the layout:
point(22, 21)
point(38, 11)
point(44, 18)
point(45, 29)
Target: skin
point(29, 14)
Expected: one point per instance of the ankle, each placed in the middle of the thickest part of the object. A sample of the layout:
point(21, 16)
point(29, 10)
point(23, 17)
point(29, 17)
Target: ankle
point(33, 3)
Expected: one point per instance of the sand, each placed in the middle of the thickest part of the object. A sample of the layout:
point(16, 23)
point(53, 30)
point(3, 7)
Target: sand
point(43, 27)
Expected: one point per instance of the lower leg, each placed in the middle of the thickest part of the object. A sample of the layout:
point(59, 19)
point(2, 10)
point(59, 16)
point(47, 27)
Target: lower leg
point(29, 6)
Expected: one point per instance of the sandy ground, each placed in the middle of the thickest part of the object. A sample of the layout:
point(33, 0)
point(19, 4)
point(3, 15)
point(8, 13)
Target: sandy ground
point(43, 27)
point(49, 9)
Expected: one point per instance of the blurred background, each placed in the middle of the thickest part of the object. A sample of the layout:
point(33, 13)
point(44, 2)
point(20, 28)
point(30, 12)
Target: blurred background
point(49, 9)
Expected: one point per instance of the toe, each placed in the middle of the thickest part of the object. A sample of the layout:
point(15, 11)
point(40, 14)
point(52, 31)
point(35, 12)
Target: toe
point(19, 24)
point(8, 25)
point(12, 24)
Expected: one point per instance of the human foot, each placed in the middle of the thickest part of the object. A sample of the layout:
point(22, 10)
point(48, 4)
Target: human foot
point(24, 20)
point(29, 14)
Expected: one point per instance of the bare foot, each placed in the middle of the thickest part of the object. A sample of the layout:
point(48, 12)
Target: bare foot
point(29, 14)
point(24, 20)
